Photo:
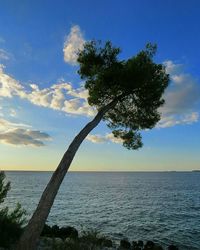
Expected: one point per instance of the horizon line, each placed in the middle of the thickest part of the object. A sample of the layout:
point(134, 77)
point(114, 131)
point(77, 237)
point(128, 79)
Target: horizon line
point(104, 171)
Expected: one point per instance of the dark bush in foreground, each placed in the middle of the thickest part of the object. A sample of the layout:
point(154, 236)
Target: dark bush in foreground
point(95, 238)
point(10, 222)
point(172, 247)
point(67, 238)
point(56, 232)
point(125, 244)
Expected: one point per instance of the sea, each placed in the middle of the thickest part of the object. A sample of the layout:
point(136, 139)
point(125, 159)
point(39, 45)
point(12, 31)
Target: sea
point(159, 206)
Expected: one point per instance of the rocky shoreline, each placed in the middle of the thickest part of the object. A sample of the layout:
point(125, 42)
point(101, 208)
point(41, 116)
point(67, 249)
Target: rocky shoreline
point(68, 238)
point(55, 238)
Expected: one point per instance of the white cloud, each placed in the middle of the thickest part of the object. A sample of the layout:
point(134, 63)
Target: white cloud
point(25, 137)
point(101, 139)
point(18, 134)
point(181, 98)
point(170, 121)
point(13, 112)
point(1, 114)
point(61, 96)
point(4, 55)
point(73, 43)
point(96, 138)
point(5, 125)
point(173, 68)
point(110, 137)
point(9, 86)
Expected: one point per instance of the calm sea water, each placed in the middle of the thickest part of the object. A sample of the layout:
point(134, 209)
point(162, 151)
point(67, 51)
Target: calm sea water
point(164, 207)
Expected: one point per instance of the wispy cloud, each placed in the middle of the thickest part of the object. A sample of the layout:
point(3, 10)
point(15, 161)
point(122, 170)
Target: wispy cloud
point(96, 138)
point(73, 43)
point(26, 137)
point(5, 125)
point(4, 55)
point(103, 138)
point(172, 120)
point(18, 134)
point(61, 96)
point(1, 114)
point(13, 112)
point(182, 98)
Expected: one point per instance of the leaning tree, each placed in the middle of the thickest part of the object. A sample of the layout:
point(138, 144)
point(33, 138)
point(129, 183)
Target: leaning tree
point(126, 95)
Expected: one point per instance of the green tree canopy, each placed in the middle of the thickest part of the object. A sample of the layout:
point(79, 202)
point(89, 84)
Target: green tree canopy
point(135, 86)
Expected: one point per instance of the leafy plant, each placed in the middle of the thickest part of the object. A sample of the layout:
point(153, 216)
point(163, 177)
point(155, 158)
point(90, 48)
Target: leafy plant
point(11, 222)
point(95, 238)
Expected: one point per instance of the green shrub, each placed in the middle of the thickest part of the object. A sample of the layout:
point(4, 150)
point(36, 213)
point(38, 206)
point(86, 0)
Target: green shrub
point(95, 238)
point(11, 222)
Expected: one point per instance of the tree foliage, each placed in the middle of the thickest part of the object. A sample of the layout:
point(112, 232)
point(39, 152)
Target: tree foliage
point(137, 85)
point(4, 188)
point(127, 95)
point(10, 221)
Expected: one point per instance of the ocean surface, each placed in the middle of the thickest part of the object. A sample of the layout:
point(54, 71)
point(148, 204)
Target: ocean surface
point(159, 206)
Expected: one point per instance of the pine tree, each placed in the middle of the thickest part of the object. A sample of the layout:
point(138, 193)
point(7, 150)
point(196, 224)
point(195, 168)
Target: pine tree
point(127, 95)
point(11, 222)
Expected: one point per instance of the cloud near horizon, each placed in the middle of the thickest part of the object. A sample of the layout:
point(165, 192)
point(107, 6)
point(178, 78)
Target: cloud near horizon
point(73, 43)
point(18, 134)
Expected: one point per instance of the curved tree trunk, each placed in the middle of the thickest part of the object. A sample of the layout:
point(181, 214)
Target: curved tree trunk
point(30, 237)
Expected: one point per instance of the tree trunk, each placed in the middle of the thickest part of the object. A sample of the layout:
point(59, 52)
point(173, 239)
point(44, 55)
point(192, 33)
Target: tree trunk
point(30, 237)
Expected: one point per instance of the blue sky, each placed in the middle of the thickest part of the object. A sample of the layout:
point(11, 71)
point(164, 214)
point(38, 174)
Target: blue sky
point(43, 104)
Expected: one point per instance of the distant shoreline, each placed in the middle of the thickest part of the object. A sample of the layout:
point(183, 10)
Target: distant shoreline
point(90, 171)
